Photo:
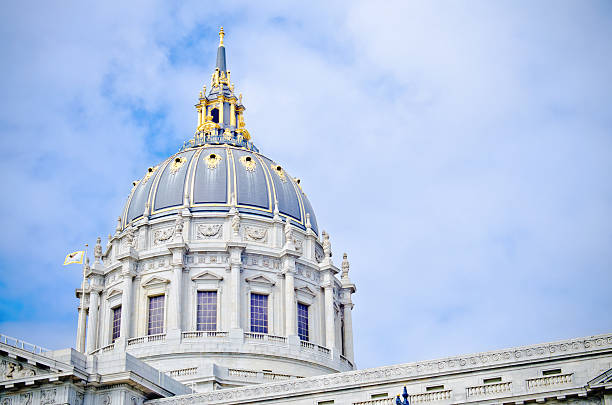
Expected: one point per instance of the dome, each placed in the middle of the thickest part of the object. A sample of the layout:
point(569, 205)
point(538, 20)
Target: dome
point(208, 177)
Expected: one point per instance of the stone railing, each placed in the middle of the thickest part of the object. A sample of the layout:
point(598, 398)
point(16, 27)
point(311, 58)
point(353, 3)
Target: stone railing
point(377, 401)
point(315, 347)
point(343, 358)
point(489, 389)
point(104, 349)
point(275, 377)
point(241, 373)
point(160, 337)
point(203, 334)
point(182, 372)
point(264, 337)
point(430, 396)
point(20, 344)
point(549, 380)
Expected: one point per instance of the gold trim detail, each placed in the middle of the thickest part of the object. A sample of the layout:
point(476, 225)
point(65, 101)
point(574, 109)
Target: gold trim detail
point(249, 164)
point(177, 163)
point(280, 172)
point(213, 160)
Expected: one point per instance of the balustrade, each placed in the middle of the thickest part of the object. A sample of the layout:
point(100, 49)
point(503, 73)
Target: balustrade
point(489, 389)
point(549, 380)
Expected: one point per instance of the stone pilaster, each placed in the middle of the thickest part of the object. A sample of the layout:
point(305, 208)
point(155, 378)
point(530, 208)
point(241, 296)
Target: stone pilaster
point(330, 328)
point(92, 324)
point(175, 307)
point(348, 331)
point(80, 338)
point(235, 257)
point(288, 262)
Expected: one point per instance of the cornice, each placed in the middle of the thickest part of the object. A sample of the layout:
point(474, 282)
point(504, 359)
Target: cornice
point(403, 372)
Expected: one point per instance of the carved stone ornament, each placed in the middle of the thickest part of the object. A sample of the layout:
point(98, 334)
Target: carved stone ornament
point(318, 256)
point(25, 398)
point(176, 164)
point(207, 231)
point(280, 172)
point(298, 244)
point(48, 396)
point(13, 370)
point(236, 223)
point(98, 250)
point(106, 399)
point(162, 235)
point(255, 233)
point(130, 237)
point(213, 160)
point(248, 163)
point(149, 174)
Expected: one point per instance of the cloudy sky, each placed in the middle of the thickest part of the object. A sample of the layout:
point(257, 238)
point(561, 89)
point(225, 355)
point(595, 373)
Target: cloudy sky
point(460, 152)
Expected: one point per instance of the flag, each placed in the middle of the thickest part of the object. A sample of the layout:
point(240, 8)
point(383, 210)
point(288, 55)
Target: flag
point(75, 257)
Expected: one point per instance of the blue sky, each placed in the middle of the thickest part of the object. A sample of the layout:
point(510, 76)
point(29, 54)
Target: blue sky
point(460, 152)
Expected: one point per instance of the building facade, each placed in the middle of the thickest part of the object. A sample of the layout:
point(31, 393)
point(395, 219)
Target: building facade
point(218, 287)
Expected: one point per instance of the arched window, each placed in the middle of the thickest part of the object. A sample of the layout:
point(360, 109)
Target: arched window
point(215, 115)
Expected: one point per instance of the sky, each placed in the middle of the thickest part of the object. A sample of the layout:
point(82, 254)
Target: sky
point(459, 152)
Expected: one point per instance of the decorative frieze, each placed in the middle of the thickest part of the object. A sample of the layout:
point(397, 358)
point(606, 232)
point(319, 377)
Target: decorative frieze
point(209, 231)
point(161, 236)
point(256, 234)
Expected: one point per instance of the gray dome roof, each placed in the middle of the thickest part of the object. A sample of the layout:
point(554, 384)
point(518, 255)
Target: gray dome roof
point(207, 176)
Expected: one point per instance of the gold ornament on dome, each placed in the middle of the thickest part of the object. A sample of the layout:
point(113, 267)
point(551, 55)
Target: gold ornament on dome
point(248, 162)
point(279, 172)
point(176, 164)
point(227, 134)
point(208, 125)
point(147, 176)
point(241, 130)
point(212, 160)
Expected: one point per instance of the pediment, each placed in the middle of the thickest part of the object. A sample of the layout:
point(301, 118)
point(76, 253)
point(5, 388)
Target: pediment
point(155, 281)
point(306, 290)
point(19, 365)
point(602, 380)
point(207, 276)
point(260, 279)
point(114, 292)
point(11, 369)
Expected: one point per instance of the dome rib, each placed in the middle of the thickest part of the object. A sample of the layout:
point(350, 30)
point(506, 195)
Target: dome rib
point(209, 183)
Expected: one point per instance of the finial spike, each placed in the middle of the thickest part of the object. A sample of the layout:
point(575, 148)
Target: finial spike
point(221, 35)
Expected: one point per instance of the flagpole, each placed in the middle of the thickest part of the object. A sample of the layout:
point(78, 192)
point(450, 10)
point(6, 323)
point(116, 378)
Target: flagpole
point(81, 324)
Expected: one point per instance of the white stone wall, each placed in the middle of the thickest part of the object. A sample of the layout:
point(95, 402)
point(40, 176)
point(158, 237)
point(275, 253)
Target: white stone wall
point(157, 257)
point(582, 375)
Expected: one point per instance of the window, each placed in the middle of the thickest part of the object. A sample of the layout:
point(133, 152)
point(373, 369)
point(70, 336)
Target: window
point(207, 310)
point(156, 315)
point(379, 396)
point(116, 323)
point(552, 372)
point(434, 388)
point(259, 313)
point(215, 114)
point(302, 321)
point(492, 380)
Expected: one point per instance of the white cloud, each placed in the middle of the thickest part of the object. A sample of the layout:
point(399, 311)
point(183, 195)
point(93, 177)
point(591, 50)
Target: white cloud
point(461, 153)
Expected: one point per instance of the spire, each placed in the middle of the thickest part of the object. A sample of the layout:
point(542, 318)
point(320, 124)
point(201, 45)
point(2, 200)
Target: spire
point(221, 65)
point(220, 112)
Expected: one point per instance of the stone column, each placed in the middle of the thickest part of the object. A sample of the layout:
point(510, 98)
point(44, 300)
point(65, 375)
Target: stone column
point(348, 331)
point(126, 304)
point(330, 327)
point(174, 304)
point(290, 305)
point(236, 287)
point(92, 325)
point(80, 338)
point(235, 253)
